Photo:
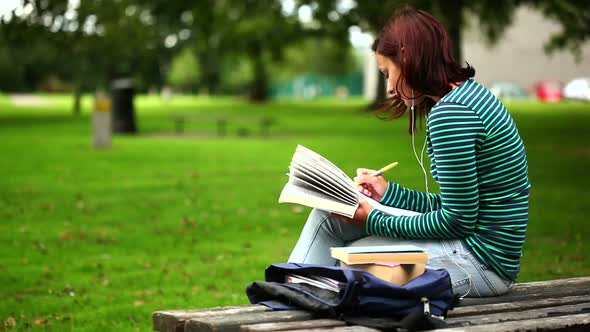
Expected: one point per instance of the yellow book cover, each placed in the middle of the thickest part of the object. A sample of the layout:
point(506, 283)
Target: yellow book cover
point(401, 254)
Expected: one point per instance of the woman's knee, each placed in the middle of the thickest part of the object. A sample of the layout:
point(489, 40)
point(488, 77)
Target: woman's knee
point(319, 214)
point(335, 227)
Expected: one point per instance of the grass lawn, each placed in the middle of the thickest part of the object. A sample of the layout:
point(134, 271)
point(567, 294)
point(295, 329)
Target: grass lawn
point(95, 240)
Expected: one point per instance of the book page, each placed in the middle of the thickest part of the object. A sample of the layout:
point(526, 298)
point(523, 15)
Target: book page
point(320, 171)
point(388, 209)
point(300, 171)
point(295, 194)
point(308, 185)
point(326, 163)
point(395, 248)
point(330, 169)
point(317, 281)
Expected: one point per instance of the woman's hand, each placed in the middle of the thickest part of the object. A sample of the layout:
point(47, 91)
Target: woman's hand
point(360, 215)
point(372, 186)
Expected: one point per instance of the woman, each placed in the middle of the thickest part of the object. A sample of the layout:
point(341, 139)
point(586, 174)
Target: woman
point(475, 228)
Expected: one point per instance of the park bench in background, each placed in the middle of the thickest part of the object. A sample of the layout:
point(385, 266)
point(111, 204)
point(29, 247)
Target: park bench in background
point(244, 124)
point(556, 305)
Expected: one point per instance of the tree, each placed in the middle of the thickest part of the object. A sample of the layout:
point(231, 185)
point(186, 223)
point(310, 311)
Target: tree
point(87, 43)
point(24, 65)
point(184, 71)
point(318, 55)
point(263, 30)
point(574, 17)
point(230, 29)
point(494, 17)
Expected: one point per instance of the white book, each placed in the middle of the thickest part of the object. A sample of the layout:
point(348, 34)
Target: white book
point(316, 182)
point(317, 281)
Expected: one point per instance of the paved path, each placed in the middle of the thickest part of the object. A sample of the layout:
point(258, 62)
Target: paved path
point(28, 100)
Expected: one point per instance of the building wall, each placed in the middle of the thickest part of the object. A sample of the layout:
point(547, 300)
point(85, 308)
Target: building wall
point(519, 55)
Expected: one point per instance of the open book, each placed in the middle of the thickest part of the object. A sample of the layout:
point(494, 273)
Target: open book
point(316, 182)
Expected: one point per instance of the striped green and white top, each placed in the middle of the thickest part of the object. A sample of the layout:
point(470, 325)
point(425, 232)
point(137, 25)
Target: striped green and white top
point(479, 161)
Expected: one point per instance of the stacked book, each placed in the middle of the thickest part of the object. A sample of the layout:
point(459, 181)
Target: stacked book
point(397, 264)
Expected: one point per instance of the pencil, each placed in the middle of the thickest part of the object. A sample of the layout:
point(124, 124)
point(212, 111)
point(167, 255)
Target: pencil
point(384, 169)
point(381, 170)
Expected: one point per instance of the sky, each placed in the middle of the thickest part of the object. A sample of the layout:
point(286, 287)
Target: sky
point(7, 5)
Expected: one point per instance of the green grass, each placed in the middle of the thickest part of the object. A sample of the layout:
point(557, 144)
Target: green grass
point(95, 240)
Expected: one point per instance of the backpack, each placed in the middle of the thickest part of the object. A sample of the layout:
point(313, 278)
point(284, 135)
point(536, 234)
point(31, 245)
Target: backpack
point(362, 299)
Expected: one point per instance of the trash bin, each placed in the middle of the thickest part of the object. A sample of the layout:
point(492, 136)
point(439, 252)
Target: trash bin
point(123, 113)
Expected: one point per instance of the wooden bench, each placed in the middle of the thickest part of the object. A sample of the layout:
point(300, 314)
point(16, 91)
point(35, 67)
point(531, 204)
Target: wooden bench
point(222, 121)
point(557, 305)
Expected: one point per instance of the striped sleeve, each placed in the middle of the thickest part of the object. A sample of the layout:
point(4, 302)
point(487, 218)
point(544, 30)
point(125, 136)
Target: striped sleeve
point(455, 132)
point(408, 199)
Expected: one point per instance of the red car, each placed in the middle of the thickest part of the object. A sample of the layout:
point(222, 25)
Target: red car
point(549, 90)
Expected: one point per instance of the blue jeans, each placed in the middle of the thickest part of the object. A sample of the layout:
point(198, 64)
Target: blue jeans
point(469, 276)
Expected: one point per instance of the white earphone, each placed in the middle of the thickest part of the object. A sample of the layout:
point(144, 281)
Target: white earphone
point(421, 163)
point(421, 159)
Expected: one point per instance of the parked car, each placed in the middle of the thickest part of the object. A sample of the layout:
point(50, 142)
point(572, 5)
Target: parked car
point(578, 88)
point(508, 90)
point(549, 90)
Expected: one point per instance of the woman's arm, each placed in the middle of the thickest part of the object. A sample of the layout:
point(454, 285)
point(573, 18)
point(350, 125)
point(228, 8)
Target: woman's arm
point(408, 199)
point(455, 132)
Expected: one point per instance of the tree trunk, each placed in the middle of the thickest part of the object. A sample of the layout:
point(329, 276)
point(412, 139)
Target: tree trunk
point(211, 71)
point(77, 101)
point(259, 87)
point(452, 12)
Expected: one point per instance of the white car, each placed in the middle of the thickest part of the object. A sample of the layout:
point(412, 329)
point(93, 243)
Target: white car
point(578, 88)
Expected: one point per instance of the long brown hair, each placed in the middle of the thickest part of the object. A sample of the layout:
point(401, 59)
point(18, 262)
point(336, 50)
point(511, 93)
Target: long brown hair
point(419, 44)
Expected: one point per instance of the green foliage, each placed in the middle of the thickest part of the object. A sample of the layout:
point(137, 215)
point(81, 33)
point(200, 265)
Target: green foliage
point(316, 55)
point(232, 31)
point(237, 73)
point(87, 45)
point(184, 72)
point(96, 240)
point(574, 17)
point(493, 17)
point(12, 73)
point(107, 38)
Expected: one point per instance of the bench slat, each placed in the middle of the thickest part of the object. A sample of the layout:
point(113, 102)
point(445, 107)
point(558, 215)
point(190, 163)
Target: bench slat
point(515, 306)
point(529, 300)
point(563, 310)
point(340, 329)
point(578, 322)
point(537, 290)
point(299, 325)
point(228, 323)
point(173, 320)
point(485, 319)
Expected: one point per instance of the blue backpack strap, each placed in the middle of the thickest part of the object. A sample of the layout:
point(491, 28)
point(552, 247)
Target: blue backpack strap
point(351, 297)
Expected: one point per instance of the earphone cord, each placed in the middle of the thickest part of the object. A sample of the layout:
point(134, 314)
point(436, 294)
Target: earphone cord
point(421, 159)
point(421, 163)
